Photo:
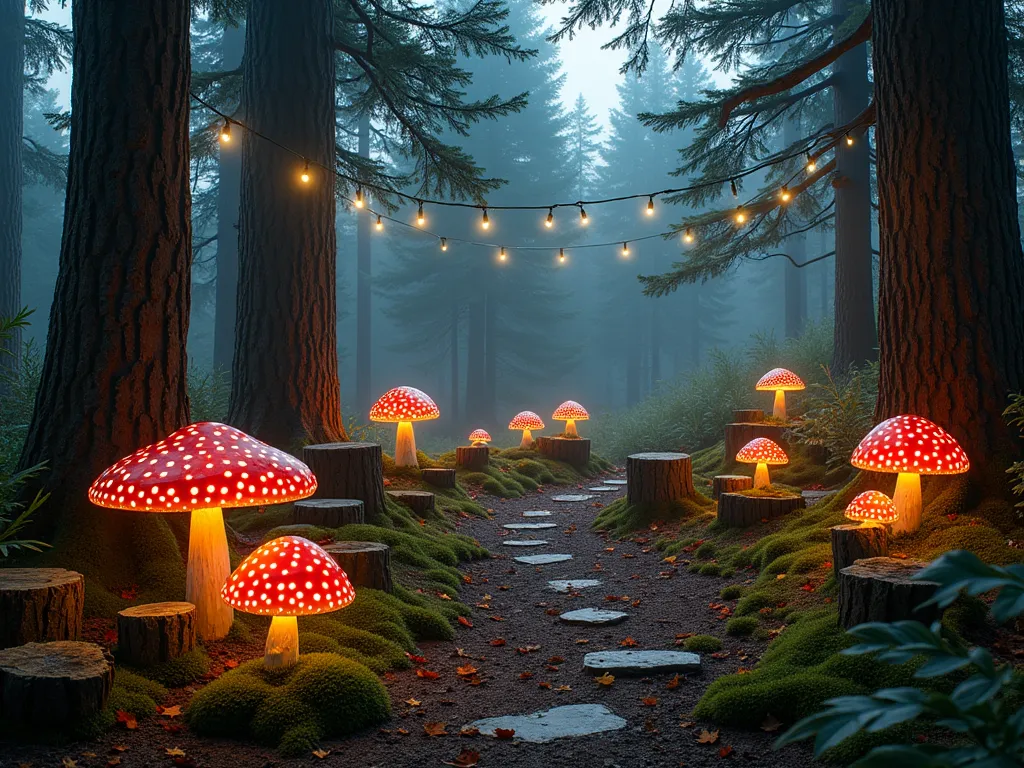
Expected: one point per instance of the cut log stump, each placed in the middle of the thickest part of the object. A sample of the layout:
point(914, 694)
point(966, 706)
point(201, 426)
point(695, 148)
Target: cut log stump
point(349, 471)
point(880, 589)
point(851, 543)
point(439, 477)
point(53, 684)
point(472, 457)
point(730, 484)
point(154, 633)
point(571, 450)
point(420, 502)
point(738, 435)
point(738, 510)
point(748, 416)
point(658, 478)
point(367, 563)
point(329, 513)
point(40, 604)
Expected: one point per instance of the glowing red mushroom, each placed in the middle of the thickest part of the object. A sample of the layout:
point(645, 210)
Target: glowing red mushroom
point(404, 405)
point(200, 469)
point(286, 578)
point(479, 437)
point(570, 412)
point(911, 446)
point(526, 421)
point(762, 452)
point(780, 381)
point(872, 507)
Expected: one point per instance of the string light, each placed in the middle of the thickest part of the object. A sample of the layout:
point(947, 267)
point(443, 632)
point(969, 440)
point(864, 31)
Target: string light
point(732, 185)
point(583, 216)
point(688, 235)
point(502, 256)
point(225, 131)
point(421, 218)
point(485, 222)
point(561, 255)
point(380, 223)
point(849, 140)
point(359, 198)
point(305, 174)
point(784, 194)
point(625, 250)
point(650, 205)
point(444, 244)
point(741, 215)
point(549, 222)
point(811, 165)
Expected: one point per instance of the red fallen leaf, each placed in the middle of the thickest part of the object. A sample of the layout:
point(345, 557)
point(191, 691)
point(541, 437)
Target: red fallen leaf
point(231, 663)
point(550, 667)
point(495, 618)
point(808, 587)
point(629, 642)
point(498, 642)
point(552, 612)
point(504, 733)
point(828, 600)
point(110, 636)
point(649, 701)
point(467, 671)
point(415, 659)
point(467, 758)
point(427, 674)
point(525, 675)
point(467, 731)
point(467, 579)
point(827, 564)
point(127, 719)
point(636, 603)
point(556, 660)
point(725, 751)
point(720, 655)
point(130, 593)
point(544, 684)
point(673, 683)
point(172, 729)
point(465, 622)
point(528, 648)
point(435, 729)
point(952, 516)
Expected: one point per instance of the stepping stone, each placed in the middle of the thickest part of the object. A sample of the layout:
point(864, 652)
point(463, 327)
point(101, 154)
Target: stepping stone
point(813, 497)
point(594, 617)
point(603, 488)
point(542, 559)
point(537, 513)
point(567, 585)
point(555, 723)
point(529, 526)
point(524, 543)
point(641, 662)
point(573, 497)
point(614, 482)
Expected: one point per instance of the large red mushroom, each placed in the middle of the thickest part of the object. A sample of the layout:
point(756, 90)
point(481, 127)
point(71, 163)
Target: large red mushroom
point(404, 405)
point(479, 437)
point(780, 381)
point(570, 412)
point(871, 507)
point(526, 421)
point(762, 452)
point(200, 469)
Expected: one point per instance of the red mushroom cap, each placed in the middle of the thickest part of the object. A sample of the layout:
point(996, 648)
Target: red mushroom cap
point(203, 465)
point(570, 409)
point(910, 444)
point(404, 404)
point(289, 576)
point(780, 378)
point(761, 450)
point(872, 505)
point(526, 420)
point(480, 436)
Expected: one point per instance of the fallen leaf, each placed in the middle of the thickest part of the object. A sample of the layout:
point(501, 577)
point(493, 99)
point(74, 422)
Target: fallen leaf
point(649, 701)
point(466, 671)
point(629, 642)
point(427, 674)
point(504, 733)
point(725, 751)
point(174, 752)
point(413, 702)
point(321, 753)
point(114, 761)
point(525, 675)
point(498, 642)
point(465, 622)
point(770, 724)
point(174, 711)
point(435, 729)
point(68, 762)
point(544, 684)
point(673, 683)
point(687, 724)
point(780, 576)
point(467, 731)
point(467, 758)
point(231, 663)
point(582, 641)
point(563, 688)
point(119, 748)
point(649, 725)
point(707, 737)
point(605, 679)
point(528, 648)
point(416, 659)
point(127, 719)
point(495, 618)
point(556, 660)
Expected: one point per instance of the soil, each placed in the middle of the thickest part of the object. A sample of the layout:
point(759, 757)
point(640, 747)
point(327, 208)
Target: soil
point(514, 604)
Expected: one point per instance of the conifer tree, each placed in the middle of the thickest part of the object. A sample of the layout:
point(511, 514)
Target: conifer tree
point(584, 147)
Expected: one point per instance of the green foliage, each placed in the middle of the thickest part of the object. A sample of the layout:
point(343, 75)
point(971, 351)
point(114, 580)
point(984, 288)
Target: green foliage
point(620, 517)
point(703, 644)
point(838, 412)
point(175, 673)
point(1014, 415)
point(208, 394)
point(741, 626)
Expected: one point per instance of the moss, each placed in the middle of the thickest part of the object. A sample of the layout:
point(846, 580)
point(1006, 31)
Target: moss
point(314, 642)
point(966, 616)
point(732, 592)
point(741, 626)
point(987, 543)
point(703, 644)
point(710, 569)
point(706, 551)
point(774, 491)
point(178, 672)
point(620, 518)
point(322, 696)
point(787, 698)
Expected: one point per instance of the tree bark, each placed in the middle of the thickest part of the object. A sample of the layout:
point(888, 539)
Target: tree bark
point(881, 589)
point(658, 478)
point(472, 457)
point(748, 416)
point(329, 513)
point(854, 308)
point(40, 605)
point(364, 290)
point(12, 86)
point(571, 450)
point(420, 502)
point(284, 384)
point(730, 484)
point(952, 271)
point(114, 374)
point(851, 543)
point(366, 563)
point(439, 477)
point(349, 471)
point(232, 47)
point(739, 510)
point(155, 633)
point(795, 286)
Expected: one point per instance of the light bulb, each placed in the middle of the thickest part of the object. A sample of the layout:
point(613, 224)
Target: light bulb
point(359, 197)
point(305, 174)
point(583, 217)
point(650, 205)
point(549, 222)
point(625, 251)
point(741, 217)
point(502, 256)
point(225, 132)
point(421, 217)
point(811, 165)
point(688, 235)
point(784, 194)
point(380, 224)
point(849, 140)
point(444, 244)
point(561, 255)
point(485, 222)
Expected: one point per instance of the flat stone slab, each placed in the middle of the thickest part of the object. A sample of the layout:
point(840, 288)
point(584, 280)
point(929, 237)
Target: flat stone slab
point(602, 488)
point(567, 585)
point(529, 526)
point(542, 559)
point(641, 662)
point(573, 497)
point(614, 482)
point(524, 543)
point(555, 723)
point(594, 617)
point(537, 513)
point(813, 497)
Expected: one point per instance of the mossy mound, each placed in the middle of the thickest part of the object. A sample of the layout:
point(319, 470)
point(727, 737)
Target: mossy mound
point(620, 517)
point(741, 626)
point(773, 491)
point(175, 673)
point(732, 592)
point(323, 695)
point(702, 644)
point(515, 472)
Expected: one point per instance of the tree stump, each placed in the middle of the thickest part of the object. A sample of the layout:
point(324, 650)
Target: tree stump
point(439, 477)
point(738, 435)
point(880, 589)
point(748, 416)
point(851, 543)
point(40, 604)
point(349, 471)
point(154, 633)
point(329, 513)
point(730, 484)
point(472, 457)
point(367, 563)
point(52, 684)
point(658, 478)
point(571, 450)
point(420, 502)
point(738, 510)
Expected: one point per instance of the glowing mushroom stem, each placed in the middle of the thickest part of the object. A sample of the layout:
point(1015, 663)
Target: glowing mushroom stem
point(761, 479)
point(570, 428)
point(405, 446)
point(282, 648)
point(779, 411)
point(908, 503)
point(208, 568)
point(527, 441)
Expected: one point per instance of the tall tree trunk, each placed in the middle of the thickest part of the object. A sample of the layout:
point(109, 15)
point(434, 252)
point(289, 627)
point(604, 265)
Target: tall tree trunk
point(491, 359)
point(364, 290)
point(232, 47)
point(854, 295)
point(795, 286)
point(454, 360)
point(114, 374)
point(475, 378)
point(284, 384)
point(12, 84)
point(952, 271)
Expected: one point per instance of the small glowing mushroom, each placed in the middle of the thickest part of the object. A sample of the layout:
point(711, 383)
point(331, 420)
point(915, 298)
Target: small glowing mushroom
point(479, 437)
point(762, 452)
point(404, 405)
point(200, 469)
point(872, 507)
point(780, 381)
point(570, 412)
point(286, 578)
point(911, 446)
point(526, 421)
